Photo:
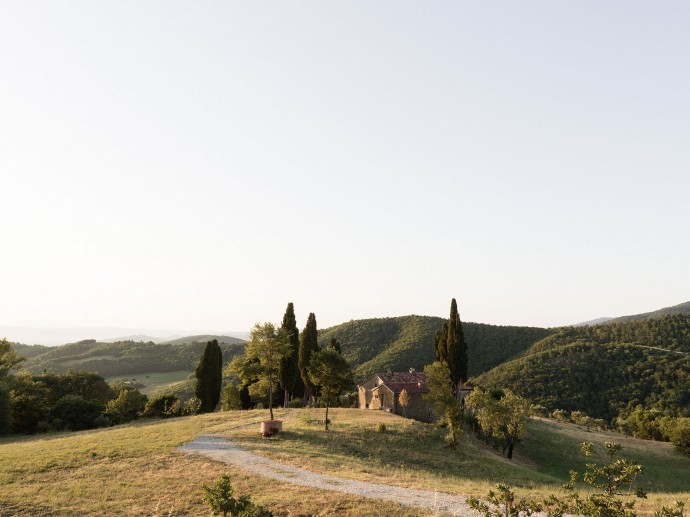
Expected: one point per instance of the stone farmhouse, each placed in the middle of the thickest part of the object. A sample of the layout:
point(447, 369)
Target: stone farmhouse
point(382, 391)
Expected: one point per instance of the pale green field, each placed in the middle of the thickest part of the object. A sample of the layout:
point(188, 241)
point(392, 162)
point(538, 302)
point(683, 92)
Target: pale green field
point(153, 381)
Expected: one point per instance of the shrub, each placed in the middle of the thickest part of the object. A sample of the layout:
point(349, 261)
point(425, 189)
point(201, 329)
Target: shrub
point(102, 421)
point(162, 405)
point(4, 409)
point(381, 427)
point(296, 403)
point(680, 435)
point(537, 410)
point(75, 413)
point(560, 415)
point(126, 407)
point(230, 398)
point(192, 406)
point(219, 498)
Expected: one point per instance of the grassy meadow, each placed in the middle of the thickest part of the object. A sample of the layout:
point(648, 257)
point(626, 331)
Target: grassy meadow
point(136, 470)
point(154, 381)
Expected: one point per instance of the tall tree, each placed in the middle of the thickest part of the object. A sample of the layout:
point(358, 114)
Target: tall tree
point(334, 345)
point(308, 345)
point(209, 377)
point(443, 398)
point(456, 347)
point(329, 371)
point(269, 346)
point(289, 369)
point(440, 340)
point(8, 358)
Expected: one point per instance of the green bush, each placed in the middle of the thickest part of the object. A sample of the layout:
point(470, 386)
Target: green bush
point(162, 405)
point(220, 498)
point(75, 413)
point(296, 403)
point(381, 427)
point(126, 407)
point(192, 406)
point(680, 435)
point(4, 409)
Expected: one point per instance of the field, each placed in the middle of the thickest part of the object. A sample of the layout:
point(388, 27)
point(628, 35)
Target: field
point(154, 381)
point(136, 470)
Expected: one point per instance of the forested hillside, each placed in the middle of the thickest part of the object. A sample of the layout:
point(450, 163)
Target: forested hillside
point(124, 357)
point(29, 350)
point(408, 342)
point(683, 308)
point(603, 369)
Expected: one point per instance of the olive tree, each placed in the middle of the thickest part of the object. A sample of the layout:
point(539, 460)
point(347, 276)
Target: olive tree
point(330, 372)
point(267, 347)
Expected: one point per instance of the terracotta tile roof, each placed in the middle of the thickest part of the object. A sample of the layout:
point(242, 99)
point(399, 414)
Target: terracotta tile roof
point(412, 382)
point(402, 377)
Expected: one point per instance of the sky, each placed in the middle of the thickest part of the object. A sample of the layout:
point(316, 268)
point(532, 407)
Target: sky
point(182, 165)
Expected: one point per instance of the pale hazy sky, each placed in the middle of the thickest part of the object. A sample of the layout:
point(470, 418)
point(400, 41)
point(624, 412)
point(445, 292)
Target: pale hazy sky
point(197, 165)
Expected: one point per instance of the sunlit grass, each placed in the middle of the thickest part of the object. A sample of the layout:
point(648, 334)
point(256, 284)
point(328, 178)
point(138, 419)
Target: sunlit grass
point(136, 470)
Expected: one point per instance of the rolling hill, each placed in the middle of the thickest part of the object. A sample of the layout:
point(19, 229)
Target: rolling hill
point(124, 357)
point(683, 308)
point(405, 342)
point(606, 368)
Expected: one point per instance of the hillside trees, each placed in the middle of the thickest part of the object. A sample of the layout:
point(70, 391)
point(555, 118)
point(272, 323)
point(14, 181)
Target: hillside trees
point(440, 340)
point(502, 419)
point(329, 371)
point(334, 344)
point(308, 345)
point(290, 379)
point(443, 398)
point(450, 347)
point(209, 377)
point(267, 348)
point(9, 358)
point(456, 347)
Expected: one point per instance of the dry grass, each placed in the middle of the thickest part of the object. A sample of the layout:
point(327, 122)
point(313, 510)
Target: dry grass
point(135, 470)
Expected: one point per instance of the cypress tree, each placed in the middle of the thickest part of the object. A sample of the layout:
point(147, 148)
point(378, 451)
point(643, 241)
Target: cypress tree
point(308, 345)
point(440, 343)
point(456, 347)
point(4, 409)
point(209, 377)
point(289, 370)
point(334, 345)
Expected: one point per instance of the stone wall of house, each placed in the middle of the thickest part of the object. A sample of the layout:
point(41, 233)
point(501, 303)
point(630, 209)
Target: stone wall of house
point(382, 398)
point(365, 394)
point(417, 408)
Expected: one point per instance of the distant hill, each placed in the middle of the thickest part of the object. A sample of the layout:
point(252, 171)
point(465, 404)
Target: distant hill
point(591, 323)
point(29, 350)
point(605, 368)
point(134, 337)
point(404, 342)
point(124, 357)
point(683, 308)
point(203, 339)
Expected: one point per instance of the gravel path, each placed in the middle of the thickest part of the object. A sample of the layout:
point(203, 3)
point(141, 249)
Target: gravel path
point(220, 449)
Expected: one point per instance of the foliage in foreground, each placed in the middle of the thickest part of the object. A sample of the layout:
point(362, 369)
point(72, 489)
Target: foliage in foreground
point(329, 371)
point(612, 493)
point(209, 377)
point(443, 398)
point(220, 498)
point(501, 419)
